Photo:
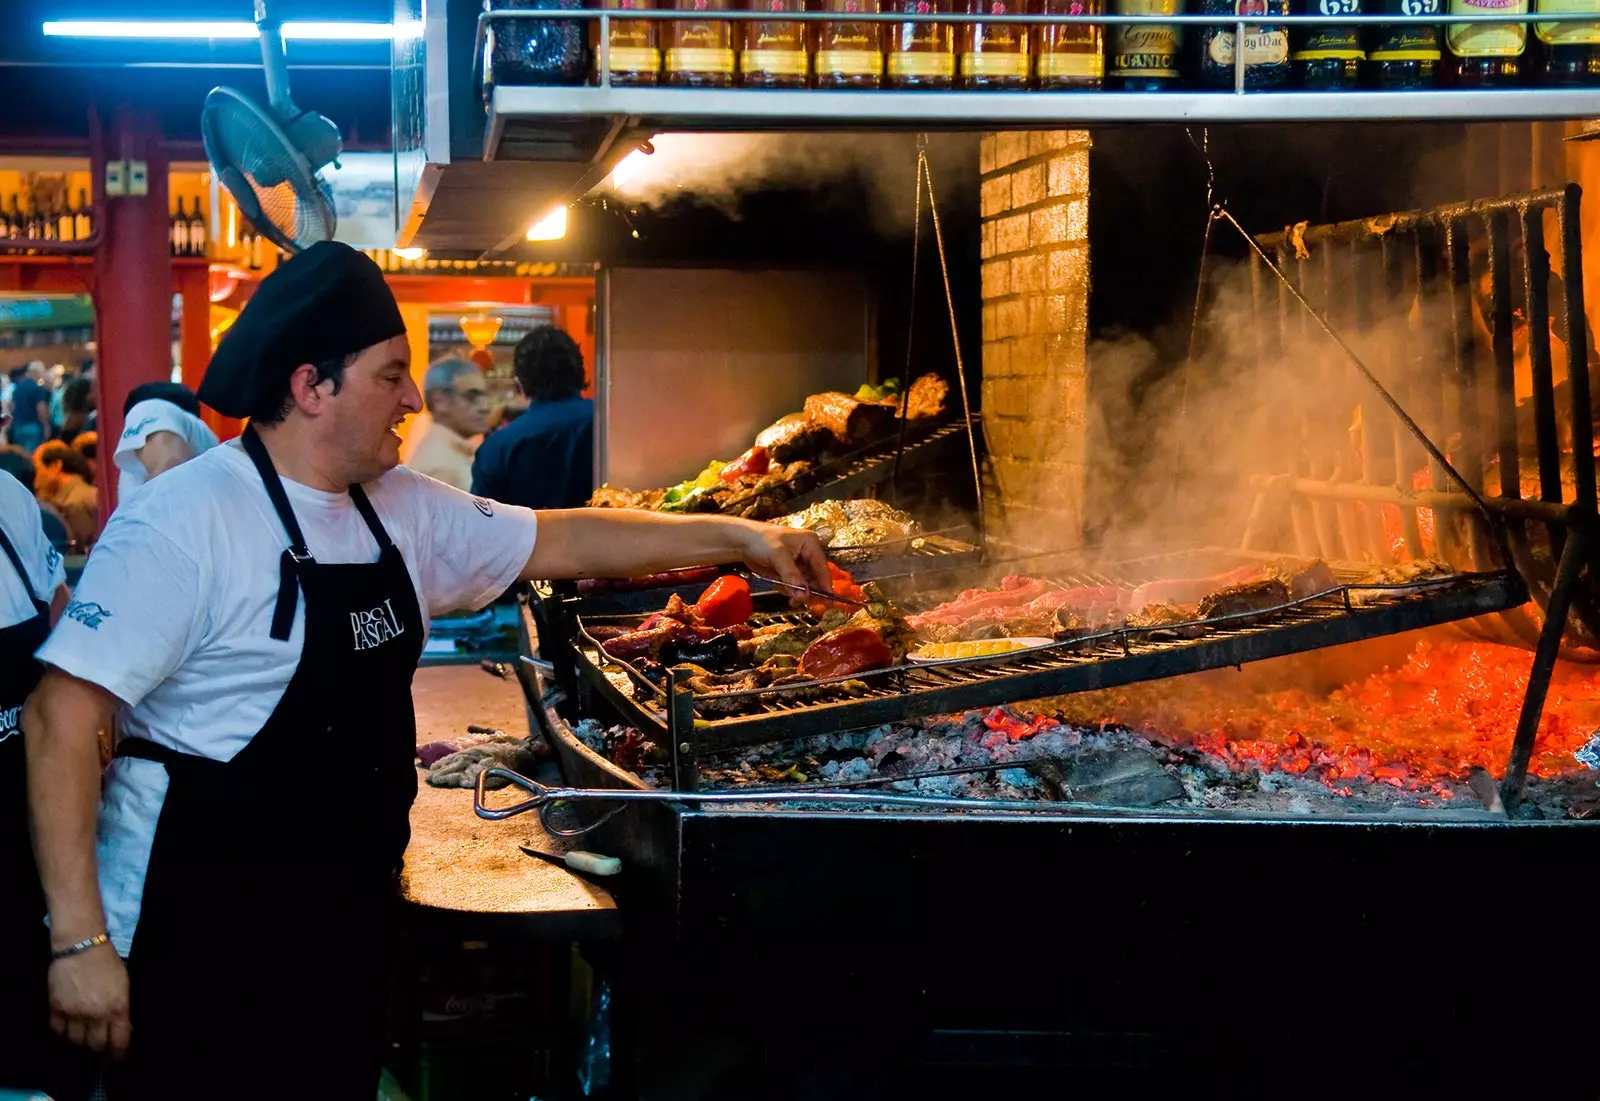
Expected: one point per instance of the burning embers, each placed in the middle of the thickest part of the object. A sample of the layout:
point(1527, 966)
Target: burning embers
point(1407, 740)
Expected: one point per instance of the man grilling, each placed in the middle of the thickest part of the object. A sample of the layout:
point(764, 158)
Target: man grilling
point(254, 618)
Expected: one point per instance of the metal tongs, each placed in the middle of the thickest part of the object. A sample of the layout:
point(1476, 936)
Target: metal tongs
point(812, 594)
point(545, 798)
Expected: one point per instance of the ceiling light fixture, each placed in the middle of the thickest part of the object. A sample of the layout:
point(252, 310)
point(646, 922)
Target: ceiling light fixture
point(213, 30)
point(552, 227)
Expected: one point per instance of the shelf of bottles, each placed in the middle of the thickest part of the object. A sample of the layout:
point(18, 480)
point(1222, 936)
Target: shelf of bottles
point(668, 62)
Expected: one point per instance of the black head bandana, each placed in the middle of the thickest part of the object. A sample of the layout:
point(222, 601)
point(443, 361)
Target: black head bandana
point(328, 302)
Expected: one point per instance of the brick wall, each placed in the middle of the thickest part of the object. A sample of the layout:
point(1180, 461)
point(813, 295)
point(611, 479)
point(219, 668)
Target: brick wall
point(1035, 207)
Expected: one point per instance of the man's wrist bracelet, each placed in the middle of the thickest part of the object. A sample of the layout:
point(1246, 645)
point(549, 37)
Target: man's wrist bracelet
point(82, 946)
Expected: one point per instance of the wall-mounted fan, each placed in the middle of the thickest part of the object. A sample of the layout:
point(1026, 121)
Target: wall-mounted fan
point(269, 158)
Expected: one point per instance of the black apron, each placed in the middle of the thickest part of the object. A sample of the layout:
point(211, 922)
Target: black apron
point(259, 964)
point(24, 940)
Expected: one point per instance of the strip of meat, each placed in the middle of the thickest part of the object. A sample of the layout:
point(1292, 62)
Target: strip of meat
point(1188, 590)
point(1253, 596)
point(852, 422)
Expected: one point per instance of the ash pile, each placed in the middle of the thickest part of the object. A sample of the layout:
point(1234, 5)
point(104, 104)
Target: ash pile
point(1012, 754)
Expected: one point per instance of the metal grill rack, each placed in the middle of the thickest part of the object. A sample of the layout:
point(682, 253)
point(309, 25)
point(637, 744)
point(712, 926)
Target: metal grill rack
point(1347, 613)
point(872, 466)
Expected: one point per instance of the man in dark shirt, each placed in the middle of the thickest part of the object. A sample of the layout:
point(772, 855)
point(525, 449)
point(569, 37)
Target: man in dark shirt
point(30, 408)
point(545, 457)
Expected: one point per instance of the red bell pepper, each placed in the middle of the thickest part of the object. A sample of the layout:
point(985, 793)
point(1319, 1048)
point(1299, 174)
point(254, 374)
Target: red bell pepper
point(752, 464)
point(845, 651)
point(725, 603)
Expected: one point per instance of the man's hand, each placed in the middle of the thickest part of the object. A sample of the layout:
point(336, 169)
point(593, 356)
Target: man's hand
point(792, 556)
point(89, 1000)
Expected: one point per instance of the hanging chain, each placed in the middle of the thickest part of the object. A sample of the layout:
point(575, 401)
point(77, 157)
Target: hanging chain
point(911, 318)
point(1180, 436)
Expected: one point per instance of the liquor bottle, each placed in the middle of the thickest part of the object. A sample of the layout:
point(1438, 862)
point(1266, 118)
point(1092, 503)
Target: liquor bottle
point(197, 231)
point(178, 231)
point(82, 218)
point(774, 55)
point(1145, 56)
point(535, 51)
point(635, 52)
point(1326, 58)
point(995, 55)
point(1266, 48)
point(1070, 55)
point(921, 55)
point(1571, 50)
point(1486, 55)
point(64, 220)
point(700, 51)
point(49, 226)
point(5, 222)
point(1404, 57)
point(850, 55)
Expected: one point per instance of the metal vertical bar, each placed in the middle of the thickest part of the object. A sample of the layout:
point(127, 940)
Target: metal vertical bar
point(1462, 392)
point(1400, 374)
point(1505, 369)
point(1577, 349)
point(1544, 660)
point(1238, 58)
point(1300, 510)
point(605, 50)
point(1536, 285)
point(1374, 440)
point(1344, 408)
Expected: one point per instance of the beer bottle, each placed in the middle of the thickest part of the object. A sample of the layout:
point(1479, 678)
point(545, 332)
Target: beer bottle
point(1326, 58)
point(921, 55)
point(1266, 48)
point(1404, 57)
point(1070, 55)
point(995, 55)
point(1486, 55)
point(774, 55)
point(850, 55)
point(700, 51)
point(1571, 50)
point(1144, 56)
point(635, 51)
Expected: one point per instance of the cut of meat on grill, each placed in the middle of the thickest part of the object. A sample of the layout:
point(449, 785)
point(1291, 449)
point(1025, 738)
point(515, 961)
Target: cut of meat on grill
point(1167, 614)
point(794, 437)
point(852, 422)
point(1189, 590)
point(1405, 573)
point(1305, 580)
point(925, 402)
point(1253, 596)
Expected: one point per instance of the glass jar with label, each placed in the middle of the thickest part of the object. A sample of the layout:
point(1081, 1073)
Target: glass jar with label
point(921, 55)
point(1069, 56)
point(700, 50)
point(1326, 58)
point(774, 55)
point(1266, 48)
point(1404, 57)
point(995, 55)
point(1571, 50)
point(1486, 55)
point(849, 55)
point(634, 50)
point(535, 51)
point(1144, 56)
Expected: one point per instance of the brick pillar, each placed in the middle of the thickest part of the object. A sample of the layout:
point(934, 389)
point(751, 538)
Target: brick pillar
point(1035, 207)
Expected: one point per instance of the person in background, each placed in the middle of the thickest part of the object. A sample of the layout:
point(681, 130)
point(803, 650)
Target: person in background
point(61, 480)
point(30, 407)
point(32, 594)
point(161, 429)
point(19, 464)
point(77, 404)
point(544, 458)
point(87, 444)
point(458, 413)
point(58, 396)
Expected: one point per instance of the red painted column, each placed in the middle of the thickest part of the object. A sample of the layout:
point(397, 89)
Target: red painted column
point(132, 285)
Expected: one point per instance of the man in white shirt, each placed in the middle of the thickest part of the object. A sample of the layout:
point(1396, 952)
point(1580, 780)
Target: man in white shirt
point(161, 428)
point(458, 414)
point(258, 611)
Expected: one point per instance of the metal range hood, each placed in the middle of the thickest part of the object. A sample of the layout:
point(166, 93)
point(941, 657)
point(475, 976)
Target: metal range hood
point(471, 176)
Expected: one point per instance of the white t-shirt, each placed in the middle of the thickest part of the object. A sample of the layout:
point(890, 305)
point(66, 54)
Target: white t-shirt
point(19, 517)
point(143, 421)
point(173, 616)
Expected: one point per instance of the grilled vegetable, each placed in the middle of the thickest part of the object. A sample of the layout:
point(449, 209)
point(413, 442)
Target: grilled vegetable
point(715, 654)
point(725, 603)
point(845, 651)
point(752, 464)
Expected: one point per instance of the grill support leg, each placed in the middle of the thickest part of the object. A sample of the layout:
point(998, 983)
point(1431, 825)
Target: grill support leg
point(1544, 661)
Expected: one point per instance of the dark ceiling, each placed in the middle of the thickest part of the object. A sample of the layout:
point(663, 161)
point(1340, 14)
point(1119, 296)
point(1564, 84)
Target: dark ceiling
point(48, 84)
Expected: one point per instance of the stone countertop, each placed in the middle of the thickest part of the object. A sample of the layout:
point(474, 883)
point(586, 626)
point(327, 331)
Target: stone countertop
point(459, 862)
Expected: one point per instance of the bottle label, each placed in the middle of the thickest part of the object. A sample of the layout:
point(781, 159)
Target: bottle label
point(1262, 46)
point(1084, 66)
point(995, 64)
point(681, 60)
point(1328, 43)
point(1410, 43)
point(1487, 39)
point(850, 62)
point(634, 59)
point(780, 62)
point(1146, 51)
point(1568, 34)
point(922, 64)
